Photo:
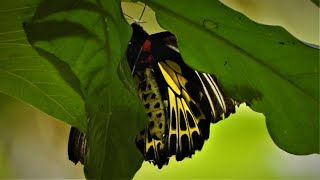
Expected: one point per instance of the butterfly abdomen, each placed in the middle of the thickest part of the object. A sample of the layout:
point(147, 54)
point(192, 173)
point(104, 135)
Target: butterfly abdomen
point(151, 141)
point(151, 98)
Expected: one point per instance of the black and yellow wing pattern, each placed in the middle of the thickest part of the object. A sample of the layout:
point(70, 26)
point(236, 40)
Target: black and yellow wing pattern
point(190, 100)
point(180, 102)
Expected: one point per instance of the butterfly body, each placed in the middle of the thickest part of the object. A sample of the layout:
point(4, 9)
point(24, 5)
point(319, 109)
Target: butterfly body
point(150, 96)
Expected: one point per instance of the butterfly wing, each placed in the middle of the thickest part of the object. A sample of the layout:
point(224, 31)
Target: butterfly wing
point(77, 145)
point(192, 99)
point(205, 83)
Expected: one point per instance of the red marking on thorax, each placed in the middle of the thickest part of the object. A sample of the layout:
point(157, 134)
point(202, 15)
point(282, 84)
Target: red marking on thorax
point(146, 45)
point(149, 59)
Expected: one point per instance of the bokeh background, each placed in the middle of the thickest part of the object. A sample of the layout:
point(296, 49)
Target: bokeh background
point(34, 145)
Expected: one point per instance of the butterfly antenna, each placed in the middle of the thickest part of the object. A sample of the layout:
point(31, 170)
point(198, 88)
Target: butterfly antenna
point(136, 61)
point(133, 19)
point(129, 17)
point(144, 8)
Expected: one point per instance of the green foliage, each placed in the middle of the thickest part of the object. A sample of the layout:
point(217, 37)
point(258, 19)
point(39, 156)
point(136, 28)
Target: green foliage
point(316, 2)
point(262, 65)
point(45, 83)
point(76, 66)
point(91, 38)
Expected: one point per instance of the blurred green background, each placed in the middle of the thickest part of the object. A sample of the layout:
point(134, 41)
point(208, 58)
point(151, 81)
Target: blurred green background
point(34, 145)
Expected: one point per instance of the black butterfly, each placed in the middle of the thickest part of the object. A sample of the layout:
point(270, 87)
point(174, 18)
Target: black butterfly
point(180, 102)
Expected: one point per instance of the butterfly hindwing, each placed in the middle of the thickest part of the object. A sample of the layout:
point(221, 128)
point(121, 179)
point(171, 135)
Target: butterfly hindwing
point(185, 136)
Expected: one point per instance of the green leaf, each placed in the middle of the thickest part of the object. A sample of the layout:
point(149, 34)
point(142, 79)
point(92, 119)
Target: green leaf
point(92, 37)
point(316, 2)
point(27, 76)
point(262, 65)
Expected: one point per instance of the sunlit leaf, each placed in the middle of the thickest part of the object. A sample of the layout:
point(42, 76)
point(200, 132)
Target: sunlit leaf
point(262, 65)
point(92, 37)
point(46, 84)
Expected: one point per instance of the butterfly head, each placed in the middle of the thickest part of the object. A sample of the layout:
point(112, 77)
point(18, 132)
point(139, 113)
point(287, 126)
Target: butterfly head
point(138, 51)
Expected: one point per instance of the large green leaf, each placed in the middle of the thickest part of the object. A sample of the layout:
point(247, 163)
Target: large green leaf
point(27, 76)
point(92, 37)
point(262, 65)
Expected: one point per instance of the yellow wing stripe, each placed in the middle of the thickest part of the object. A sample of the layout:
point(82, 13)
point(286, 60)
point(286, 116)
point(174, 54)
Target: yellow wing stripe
point(190, 129)
point(183, 81)
point(170, 76)
point(174, 66)
point(195, 121)
point(172, 113)
point(181, 131)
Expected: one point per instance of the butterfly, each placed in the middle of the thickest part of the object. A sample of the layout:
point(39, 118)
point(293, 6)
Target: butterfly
point(180, 102)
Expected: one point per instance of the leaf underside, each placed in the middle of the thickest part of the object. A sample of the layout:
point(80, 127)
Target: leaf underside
point(45, 83)
point(87, 40)
point(261, 65)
